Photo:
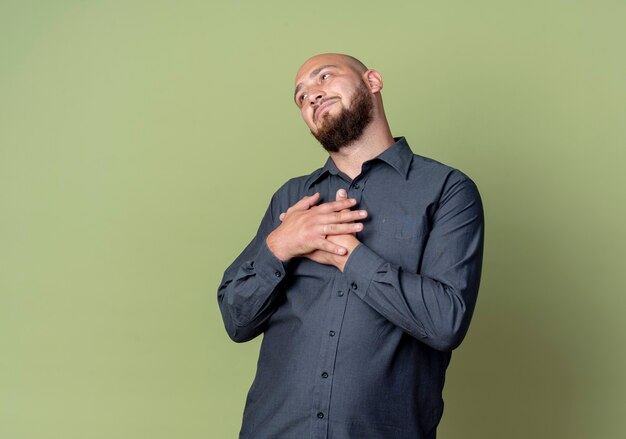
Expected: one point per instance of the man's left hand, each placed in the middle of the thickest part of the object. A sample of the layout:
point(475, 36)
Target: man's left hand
point(349, 242)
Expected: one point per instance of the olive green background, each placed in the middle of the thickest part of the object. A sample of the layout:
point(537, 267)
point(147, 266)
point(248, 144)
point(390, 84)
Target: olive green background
point(141, 141)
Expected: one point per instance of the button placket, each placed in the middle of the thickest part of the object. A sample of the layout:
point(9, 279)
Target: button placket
point(327, 360)
point(356, 189)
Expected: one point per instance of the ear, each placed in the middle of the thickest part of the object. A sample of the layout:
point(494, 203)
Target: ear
point(373, 79)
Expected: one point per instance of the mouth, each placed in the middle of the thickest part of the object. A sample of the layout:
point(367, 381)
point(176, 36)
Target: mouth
point(323, 107)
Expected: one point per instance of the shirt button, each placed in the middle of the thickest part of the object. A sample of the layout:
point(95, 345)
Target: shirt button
point(324, 374)
point(340, 293)
point(357, 185)
point(320, 415)
point(353, 286)
point(277, 273)
point(331, 333)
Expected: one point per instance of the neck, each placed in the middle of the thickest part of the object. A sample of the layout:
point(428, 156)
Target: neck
point(375, 139)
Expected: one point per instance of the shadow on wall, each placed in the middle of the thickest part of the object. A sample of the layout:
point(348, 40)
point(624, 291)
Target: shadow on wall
point(522, 372)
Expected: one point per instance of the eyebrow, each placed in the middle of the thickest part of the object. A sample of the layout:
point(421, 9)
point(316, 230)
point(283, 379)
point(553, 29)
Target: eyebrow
point(313, 74)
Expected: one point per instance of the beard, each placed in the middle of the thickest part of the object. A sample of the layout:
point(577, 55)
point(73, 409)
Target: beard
point(347, 126)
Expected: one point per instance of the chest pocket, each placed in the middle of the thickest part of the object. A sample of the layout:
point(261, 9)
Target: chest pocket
point(399, 226)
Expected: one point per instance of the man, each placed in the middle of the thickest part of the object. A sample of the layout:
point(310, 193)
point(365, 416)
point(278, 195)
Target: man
point(362, 276)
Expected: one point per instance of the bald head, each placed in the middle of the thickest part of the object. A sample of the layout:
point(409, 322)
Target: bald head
point(354, 63)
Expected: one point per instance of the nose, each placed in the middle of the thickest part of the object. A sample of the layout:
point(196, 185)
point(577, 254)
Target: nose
point(315, 96)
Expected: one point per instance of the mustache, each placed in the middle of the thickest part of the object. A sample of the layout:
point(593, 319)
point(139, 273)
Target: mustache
point(321, 102)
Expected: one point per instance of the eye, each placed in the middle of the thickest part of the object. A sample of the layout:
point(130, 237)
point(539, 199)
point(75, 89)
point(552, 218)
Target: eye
point(325, 75)
point(302, 97)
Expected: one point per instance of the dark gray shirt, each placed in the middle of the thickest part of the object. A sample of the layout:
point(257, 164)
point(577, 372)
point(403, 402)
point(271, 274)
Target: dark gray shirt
point(363, 353)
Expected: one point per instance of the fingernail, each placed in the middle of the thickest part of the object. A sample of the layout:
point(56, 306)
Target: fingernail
point(341, 251)
point(343, 193)
point(362, 213)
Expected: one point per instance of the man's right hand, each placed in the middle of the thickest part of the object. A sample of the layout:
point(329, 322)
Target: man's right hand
point(305, 226)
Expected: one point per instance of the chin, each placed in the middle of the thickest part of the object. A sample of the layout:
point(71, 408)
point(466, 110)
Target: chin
point(325, 119)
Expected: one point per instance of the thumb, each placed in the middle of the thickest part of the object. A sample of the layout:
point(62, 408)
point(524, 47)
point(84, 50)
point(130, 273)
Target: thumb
point(341, 195)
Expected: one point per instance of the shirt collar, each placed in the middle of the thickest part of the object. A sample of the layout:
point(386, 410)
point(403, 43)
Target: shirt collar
point(398, 156)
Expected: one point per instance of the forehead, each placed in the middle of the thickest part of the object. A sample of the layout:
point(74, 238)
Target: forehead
point(317, 62)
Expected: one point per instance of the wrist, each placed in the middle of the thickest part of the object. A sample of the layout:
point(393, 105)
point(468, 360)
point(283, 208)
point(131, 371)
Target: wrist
point(273, 246)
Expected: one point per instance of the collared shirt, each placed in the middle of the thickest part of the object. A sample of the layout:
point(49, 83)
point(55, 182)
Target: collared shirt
point(361, 353)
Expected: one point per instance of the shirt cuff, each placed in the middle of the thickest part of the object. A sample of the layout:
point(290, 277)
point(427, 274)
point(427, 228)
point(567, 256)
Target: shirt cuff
point(360, 269)
point(268, 266)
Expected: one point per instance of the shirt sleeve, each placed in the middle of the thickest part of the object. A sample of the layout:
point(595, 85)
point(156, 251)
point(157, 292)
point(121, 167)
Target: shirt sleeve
point(250, 285)
point(435, 305)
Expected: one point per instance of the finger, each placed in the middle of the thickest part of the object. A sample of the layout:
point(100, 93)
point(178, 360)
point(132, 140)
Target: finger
point(344, 216)
point(319, 256)
point(327, 246)
point(305, 202)
point(309, 201)
point(335, 206)
point(341, 229)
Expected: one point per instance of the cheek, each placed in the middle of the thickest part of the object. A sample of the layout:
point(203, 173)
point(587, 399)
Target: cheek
point(307, 117)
